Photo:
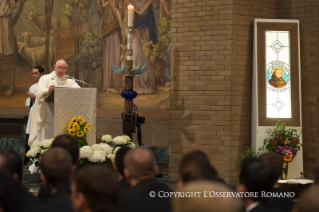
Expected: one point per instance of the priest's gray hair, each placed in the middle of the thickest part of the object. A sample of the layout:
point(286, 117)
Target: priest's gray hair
point(62, 61)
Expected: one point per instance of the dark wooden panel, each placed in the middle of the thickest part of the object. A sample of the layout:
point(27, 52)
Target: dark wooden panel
point(11, 130)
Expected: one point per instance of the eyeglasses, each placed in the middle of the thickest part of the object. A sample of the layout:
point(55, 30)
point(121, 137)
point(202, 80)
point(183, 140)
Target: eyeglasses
point(62, 68)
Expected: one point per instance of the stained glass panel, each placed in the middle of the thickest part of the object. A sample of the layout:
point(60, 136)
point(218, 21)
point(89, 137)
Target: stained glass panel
point(278, 92)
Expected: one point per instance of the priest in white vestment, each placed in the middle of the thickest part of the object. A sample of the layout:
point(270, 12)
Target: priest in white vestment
point(37, 72)
point(46, 85)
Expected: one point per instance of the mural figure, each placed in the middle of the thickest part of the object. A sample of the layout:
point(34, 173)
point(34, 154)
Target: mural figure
point(111, 40)
point(144, 29)
point(276, 78)
point(7, 40)
point(40, 22)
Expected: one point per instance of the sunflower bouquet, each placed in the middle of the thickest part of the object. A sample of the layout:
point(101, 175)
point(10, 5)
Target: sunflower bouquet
point(78, 128)
point(284, 141)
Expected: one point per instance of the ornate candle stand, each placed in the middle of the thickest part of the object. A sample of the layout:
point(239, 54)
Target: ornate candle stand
point(130, 118)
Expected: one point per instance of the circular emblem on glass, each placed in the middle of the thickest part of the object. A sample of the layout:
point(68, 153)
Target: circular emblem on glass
point(277, 76)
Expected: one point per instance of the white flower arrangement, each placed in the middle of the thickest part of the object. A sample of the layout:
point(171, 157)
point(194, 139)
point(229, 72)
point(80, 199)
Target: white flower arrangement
point(104, 153)
point(37, 150)
point(107, 138)
point(119, 140)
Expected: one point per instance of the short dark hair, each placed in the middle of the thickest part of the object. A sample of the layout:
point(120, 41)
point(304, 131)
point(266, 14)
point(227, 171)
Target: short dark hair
point(70, 144)
point(99, 187)
point(16, 162)
point(11, 193)
point(195, 165)
point(40, 68)
point(275, 160)
point(56, 166)
point(256, 175)
point(119, 159)
point(6, 164)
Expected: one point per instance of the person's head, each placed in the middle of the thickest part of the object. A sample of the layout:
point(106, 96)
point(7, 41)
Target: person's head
point(308, 201)
point(139, 164)
point(37, 72)
point(278, 72)
point(119, 160)
point(94, 187)
point(11, 193)
point(56, 167)
point(208, 203)
point(70, 144)
point(195, 165)
point(275, 161)
point(60, 68)
point(6, 163)
point(16, 164)
point(256, 175)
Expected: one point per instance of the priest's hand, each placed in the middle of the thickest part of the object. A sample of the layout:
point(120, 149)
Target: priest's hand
point(51, 88)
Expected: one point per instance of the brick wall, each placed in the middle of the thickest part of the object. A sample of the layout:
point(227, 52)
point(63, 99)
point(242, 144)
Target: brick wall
point(307, 11)
point(211, 77)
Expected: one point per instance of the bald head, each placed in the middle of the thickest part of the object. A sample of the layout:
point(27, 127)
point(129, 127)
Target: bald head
point(140, 163)
point(206, 204)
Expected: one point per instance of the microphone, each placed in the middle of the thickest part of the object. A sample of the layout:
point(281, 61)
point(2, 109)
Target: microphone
point(77, 80)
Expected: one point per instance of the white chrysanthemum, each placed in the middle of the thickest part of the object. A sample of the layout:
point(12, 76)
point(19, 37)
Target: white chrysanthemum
point(116, 149)
point(47, 143)
point(107, 138)
point(97, 156)
point(36, 149)
point(119, 140)
point(86, 152)
point(112, 157)
point(40, 143)
point(132, 145)
point(31, 153)
point(96, 147)
point(128, 139)
point(43, 151)
point(106, 148)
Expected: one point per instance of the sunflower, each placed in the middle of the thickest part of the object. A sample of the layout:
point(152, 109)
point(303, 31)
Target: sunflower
point(80, 134)
point(86, 129)
point(76, 126)
point(81, 119)
point(71, 126)
point(287, 158)
point(71, 132)
point(73, 120)
point(88, 125)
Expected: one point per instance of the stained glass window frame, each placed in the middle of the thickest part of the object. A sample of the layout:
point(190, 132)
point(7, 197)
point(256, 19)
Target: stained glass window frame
point(262, 27)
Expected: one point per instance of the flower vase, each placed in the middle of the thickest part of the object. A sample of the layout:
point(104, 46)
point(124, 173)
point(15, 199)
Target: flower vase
point(284, 172)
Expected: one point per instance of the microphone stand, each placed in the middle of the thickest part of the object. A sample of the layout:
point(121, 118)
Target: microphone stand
point(77, 80)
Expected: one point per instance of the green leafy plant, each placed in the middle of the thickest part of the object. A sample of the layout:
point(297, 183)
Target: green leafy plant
point(250, 153)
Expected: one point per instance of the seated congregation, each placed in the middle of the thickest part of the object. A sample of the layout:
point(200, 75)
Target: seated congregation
point(132, 185)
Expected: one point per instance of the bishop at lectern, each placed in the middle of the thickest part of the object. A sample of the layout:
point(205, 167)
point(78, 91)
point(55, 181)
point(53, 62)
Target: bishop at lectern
point(45, 86)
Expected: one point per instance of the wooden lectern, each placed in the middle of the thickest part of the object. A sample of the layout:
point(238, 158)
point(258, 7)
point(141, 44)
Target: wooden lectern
point(62, 104)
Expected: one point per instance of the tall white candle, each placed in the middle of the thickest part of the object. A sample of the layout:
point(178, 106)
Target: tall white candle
point(130, 14)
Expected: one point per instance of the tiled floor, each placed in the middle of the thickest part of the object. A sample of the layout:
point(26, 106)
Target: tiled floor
point(31, 181)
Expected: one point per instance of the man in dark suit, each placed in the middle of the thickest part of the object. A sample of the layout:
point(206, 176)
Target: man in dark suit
point(56, 170)
point(31, 202)
point(255, 179)
point(145, 192)
point(118, 166)
point(279, 201)
point(195, 166)
point(94, 188)
point(70, 144)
